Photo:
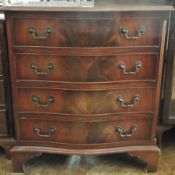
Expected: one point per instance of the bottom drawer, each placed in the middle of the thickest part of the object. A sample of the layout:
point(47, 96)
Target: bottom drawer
point(83, 131)
point(3, 123)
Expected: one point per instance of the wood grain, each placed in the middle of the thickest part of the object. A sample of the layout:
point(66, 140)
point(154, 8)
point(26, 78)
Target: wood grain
point(85, 102)
point(85, 48)
point(86, 32)
point(85, 68)
point(90, 132)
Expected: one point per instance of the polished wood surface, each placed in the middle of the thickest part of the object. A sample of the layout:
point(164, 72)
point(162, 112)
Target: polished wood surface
point(85, 102)
point(23, 153)
point(92, 132)
point(67, 90)
point(86, 32)
point(86, 68)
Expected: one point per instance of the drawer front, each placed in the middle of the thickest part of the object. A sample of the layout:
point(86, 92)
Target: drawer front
point(86, 69)
point(85, 102)
point(86, 32)
point(3, 123)
point(82, 132)
point(2, 93)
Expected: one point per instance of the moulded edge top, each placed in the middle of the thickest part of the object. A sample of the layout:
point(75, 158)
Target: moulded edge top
point(96, 8)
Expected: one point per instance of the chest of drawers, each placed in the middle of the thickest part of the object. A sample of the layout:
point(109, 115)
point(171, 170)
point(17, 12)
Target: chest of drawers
point(6, 123)
point(86, 82)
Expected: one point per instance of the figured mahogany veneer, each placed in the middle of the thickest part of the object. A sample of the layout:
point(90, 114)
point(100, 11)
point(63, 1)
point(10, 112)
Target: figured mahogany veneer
point(94, 131)
point(86, 32)
point(86, 68)
point(85, 102)
point(86, 82)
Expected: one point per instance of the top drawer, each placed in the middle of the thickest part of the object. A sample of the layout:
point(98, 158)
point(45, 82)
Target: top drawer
point(87, 32)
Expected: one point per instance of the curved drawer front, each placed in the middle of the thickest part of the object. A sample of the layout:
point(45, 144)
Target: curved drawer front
point(81, 132)
point(85, 102)
point(85, 68)
point(86, 32)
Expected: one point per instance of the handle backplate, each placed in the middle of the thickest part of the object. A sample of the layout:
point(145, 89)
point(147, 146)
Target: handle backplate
point(49, 133)
point(37, 71)
point(39, 104)
point(123, 134)
point(125, 33)
point(33, 31)
point(138, 66)
point(124, 104)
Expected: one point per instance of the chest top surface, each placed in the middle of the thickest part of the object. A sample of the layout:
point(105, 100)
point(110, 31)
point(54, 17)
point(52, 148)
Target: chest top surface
point(99, 5)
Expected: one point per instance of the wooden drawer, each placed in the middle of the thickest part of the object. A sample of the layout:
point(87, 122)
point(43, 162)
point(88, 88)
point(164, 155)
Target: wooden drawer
point(86, 69)
point(86, 32)
point(117, 129)
point(85, 102)
point(3, 123)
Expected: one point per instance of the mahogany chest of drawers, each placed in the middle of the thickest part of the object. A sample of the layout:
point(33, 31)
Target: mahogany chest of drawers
point(85, 82)
point(6, 122)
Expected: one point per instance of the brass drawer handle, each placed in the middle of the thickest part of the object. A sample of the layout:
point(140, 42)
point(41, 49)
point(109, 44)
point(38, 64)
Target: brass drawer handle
point(124, 104)
point(37, 71)
point(36, 100)
point(138, 66)
point(123, 134)
point(125, 33)
point(50, 131)
point(33, 31)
